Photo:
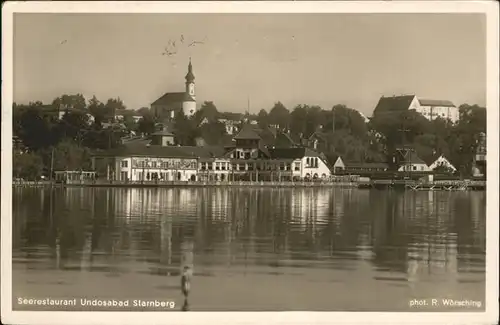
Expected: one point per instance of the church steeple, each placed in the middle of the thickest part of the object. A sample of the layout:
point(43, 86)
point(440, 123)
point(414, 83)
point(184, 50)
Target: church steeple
point(190, 75)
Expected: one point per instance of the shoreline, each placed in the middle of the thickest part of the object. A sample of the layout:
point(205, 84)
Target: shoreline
point(462, 185)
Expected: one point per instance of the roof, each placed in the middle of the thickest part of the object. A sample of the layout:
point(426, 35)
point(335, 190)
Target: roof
point(318, 134)
point(413, 158)
point(292, 153)
point(365, 165)
point(436, 102)
point(139, 149)
point(170, 98)
point(142, 149)
point(205, 151)
point(127, 112)
point(163, 133)
point(393, 104)
point(247, 133)
point(283, 140)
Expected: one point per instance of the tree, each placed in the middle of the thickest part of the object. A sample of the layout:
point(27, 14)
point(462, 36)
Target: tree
point(298, 119)
point(146, 125)
point(74, 125)
point(143, 111)
point(213, 132)
point(263, 118)
point(112, 106)
point(27, 165)
point(209, 110)
point(279, 115)
point(70, 102)
point(97, 109)
point(34, 129)
point(185, 129)
point(70, 156)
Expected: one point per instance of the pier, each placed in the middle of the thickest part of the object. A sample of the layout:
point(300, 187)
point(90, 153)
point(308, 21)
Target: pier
point(416, 185)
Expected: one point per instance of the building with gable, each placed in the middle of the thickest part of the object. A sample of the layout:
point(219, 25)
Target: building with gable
point(170, 103)
point(440, 162)
point(247, 158)
point(431, 109)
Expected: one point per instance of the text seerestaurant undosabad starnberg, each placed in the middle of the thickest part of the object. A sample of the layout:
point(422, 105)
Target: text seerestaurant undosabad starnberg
point(96, 302)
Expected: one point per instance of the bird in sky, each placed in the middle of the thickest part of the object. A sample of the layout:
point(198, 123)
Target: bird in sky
point(182, 38)
point(64, 42)
point(194, 43)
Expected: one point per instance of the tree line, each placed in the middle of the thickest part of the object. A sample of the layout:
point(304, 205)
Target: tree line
point(46, 142)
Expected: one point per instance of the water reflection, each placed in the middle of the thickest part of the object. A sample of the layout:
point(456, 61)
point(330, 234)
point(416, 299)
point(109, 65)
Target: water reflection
point(413, 243)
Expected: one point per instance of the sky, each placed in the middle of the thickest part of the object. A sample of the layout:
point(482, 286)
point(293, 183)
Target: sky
point(315, 59)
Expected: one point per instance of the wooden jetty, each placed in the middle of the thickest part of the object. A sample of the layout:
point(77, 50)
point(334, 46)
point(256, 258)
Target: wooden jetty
point(415, 185)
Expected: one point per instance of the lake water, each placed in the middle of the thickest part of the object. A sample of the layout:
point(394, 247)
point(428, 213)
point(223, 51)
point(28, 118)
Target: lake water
point(250, 248)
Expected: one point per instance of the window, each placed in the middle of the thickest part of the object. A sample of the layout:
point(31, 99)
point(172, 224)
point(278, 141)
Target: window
point(217, 166)
point(203, 166)
point(282, 166)
point(234, 166)
point(124, 163)
point(250, 166)
point(242, 167)
point(297, 166)
point(223, 165)
point(124, 176)
point(414, 167)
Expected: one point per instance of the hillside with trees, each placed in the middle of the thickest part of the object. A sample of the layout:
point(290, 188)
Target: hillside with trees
point(69, 142)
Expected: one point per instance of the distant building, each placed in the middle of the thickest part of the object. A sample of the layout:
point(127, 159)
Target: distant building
point(479, 168)
point(169, 104)
point(431, 109)
point(62, 112)
point(231, 126)
point(413, 163)
point(121, 114)
point(342, 167)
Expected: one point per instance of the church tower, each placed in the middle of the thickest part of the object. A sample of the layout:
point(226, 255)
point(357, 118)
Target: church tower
point(189, 103)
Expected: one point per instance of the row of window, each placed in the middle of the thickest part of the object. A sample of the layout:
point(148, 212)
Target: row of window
point(204, 166)
point(162, 164)
point(244, 154)
point(312, 162)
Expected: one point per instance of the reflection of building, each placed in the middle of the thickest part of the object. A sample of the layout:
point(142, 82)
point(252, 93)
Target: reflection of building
point(169, 104)
point(310, 204)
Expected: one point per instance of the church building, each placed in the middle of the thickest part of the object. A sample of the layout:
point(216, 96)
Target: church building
point(169, 104)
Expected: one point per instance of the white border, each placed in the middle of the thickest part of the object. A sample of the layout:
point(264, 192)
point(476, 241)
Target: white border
point(490, 8)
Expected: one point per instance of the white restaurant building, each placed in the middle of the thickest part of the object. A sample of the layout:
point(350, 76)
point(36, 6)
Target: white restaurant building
point(247, 159)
